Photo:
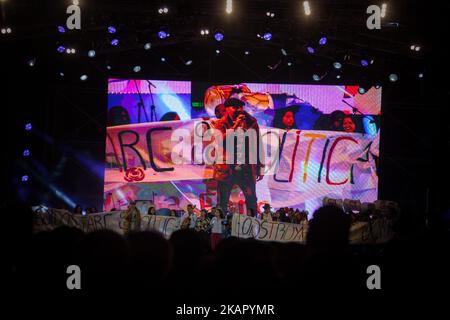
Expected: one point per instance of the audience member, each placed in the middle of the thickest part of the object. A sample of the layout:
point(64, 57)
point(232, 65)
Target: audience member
point(266, 215)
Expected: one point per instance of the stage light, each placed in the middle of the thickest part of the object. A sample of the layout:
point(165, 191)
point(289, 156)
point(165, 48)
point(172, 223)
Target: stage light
point(306, 8)
point(72, 51)
point(204, 32)
point(310, 50)
point(114, 42)
point(420, 75)
point(8, 30)
point(61, 49)
point(267, 36)
point(160, 10)
point(323, 41)
point(412, 47)
point(361, 90)
point(112, 29)
point(218, 36)
point(147, 46)
point(338, 76)
point(383, 10)
point(283, 52)
point(61, 29)
point(337, 65)
point(417, 48)
point(166, 10)
point(26, 153)
point(3, 30)
point(31, 62)
point(372, 61)
point(217, 51)
point(68, 51)
point(61, 74)
point(188, 63)
point(163, 59)
point(364, 62)
point(83, 77)
point(247, 53)
point(28, 127)
point(393, 77)
point(91, 53)
point(316, 77)
point(24, 178)
point(162, 34)
point(108, 67)
point(289, 64)
point(137, 69)
point(229, 7)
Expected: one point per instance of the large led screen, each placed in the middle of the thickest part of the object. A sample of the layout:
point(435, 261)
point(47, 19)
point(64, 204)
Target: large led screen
point(314, 141)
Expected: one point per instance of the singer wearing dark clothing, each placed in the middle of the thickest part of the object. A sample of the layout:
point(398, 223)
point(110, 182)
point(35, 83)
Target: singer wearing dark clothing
point(243, 175)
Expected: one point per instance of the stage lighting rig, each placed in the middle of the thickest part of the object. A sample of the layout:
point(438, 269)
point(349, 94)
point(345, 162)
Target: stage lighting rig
point(163, 33)
point(306, 8)
point(112, 29)
point(218, 35)
point(393, 77)
point(229, 6)
point(267, 35)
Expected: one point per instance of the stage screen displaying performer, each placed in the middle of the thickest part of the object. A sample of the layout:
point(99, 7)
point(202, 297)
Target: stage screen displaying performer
point(166, 139)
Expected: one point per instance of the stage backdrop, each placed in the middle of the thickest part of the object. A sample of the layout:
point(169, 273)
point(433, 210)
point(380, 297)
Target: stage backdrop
point(329, 148)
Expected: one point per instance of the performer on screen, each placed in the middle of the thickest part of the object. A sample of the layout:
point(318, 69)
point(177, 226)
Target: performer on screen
point(243, 175)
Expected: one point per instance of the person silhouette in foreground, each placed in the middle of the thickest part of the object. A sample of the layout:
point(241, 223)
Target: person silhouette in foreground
point(329, 264)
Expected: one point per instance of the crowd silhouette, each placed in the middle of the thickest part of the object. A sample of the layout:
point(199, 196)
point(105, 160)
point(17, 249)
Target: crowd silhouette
point(185, 262)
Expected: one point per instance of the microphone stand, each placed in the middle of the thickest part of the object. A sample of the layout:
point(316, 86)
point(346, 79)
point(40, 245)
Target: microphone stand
point(152, 107)
point(114, 202)
point(141, 104)
point(355, 111)
point(239, 224)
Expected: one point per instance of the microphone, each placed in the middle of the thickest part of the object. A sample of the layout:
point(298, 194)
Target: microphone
point(242, 122)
